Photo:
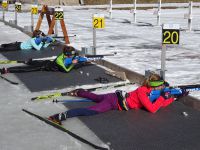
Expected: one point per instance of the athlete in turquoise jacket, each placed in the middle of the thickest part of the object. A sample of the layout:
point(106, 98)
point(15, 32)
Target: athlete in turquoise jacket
point(38, 41)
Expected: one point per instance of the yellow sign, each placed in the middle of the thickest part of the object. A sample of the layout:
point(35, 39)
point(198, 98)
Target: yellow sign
point(34, 9)
point(59, 14)
point(98, 21)
point(170, 34)
point(18, 7)
point(4, 4)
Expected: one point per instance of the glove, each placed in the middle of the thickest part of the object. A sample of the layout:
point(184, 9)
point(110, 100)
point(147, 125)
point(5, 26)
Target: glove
point(38, 40)
point(166, 84)
point(49, 39)
point(165, 95)
point(121, 96)
point(44, 39)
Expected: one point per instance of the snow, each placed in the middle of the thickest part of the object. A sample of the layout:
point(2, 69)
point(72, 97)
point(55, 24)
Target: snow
point(138, 48)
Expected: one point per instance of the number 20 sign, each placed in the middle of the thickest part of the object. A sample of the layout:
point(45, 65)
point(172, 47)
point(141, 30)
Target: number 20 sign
point(170, 34)
point(98, 21)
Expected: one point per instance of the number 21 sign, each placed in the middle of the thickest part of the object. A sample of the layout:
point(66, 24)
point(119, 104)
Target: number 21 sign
point(98, 21)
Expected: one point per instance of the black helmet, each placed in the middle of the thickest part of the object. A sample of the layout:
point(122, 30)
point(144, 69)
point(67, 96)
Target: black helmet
point(69, 51)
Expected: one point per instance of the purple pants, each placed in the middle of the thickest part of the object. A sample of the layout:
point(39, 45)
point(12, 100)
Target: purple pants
point(105, 102)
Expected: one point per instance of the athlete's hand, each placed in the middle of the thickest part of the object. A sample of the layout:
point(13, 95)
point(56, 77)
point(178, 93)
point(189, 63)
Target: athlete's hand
point(75, 61)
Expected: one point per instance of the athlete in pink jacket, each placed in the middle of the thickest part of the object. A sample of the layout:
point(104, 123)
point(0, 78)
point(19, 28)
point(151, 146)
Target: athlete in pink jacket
point(139, 98)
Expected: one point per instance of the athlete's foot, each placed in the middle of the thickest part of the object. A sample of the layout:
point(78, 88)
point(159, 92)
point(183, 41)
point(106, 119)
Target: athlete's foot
point(3, 71)
point(58, 118)
point(74, 92)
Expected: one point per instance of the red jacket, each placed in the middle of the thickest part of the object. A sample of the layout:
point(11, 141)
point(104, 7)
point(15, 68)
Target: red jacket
point(139, 98)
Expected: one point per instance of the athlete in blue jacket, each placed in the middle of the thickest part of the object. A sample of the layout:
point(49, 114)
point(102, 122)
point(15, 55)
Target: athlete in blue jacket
point(38, 41)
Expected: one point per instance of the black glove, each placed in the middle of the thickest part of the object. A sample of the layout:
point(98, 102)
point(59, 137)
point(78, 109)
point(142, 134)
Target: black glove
point(122, 95)
point(166, 84)
point(165, 95)
point(44, 39)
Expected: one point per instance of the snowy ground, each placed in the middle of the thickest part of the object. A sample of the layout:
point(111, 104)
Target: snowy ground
point(138, 47)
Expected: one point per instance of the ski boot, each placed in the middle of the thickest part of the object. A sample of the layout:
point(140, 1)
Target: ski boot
point(3, 71)
point(74, 92)
point(58, 118)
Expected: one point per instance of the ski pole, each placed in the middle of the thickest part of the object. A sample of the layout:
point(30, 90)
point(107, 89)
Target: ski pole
point(71, 100)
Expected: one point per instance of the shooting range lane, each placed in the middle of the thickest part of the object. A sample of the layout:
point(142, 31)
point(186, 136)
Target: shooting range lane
point(42, 80)
point(168, 129)
point(27, 54)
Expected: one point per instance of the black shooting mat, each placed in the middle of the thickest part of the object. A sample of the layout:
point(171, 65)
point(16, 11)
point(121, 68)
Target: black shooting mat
point(168, 129)
point(44, 80)
point(27, 54)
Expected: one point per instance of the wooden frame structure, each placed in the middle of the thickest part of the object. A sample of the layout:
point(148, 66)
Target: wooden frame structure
point(51, 22)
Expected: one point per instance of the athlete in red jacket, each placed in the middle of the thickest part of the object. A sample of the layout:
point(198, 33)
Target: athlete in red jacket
point(119, 100)
point(140, 98)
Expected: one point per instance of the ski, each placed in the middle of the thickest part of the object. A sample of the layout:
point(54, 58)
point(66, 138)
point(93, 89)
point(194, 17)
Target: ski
point(61, 128)
point(71, 100)
point(25, 61)
point(58, 94)
point(12, 82)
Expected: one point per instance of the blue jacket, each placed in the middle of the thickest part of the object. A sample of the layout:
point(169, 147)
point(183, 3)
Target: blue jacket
point(68, 60)
point(31, 44)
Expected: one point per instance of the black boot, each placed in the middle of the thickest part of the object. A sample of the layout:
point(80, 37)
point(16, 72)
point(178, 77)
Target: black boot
point(58, 118)
point(3, 71)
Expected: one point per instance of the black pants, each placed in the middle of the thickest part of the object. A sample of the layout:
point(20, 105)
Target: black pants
point(42, 65)
point(10, 47)
point(36, 65)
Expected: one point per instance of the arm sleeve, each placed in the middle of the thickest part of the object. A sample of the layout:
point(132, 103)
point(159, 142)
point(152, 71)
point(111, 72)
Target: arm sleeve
point(167, 102)
point(46, 45)
point(60, 62)
point(82, 59)
point(35, 46)
point(151, 107)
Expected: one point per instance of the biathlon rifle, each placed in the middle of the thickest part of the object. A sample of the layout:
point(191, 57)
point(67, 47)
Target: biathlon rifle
point(58, 94)
point(25, 61)
point(100, 56)
point(174, 90)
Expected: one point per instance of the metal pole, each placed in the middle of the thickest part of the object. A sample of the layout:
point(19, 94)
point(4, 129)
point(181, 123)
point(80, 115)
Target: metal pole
point(94, 41)
point(163, 62)
point(56, 28)
point(190, 16)
point(15, 17)
point(134, 11)
point(110, 9)
point(3, 14)
point(32, 22)
point(159, 12)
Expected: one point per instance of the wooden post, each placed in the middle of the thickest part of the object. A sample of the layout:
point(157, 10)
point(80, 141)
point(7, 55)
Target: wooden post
point(64, 31)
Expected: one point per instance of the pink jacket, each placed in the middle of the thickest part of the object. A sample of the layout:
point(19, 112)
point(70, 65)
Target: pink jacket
point(139, 98)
